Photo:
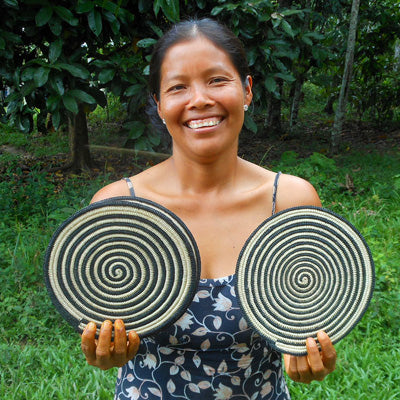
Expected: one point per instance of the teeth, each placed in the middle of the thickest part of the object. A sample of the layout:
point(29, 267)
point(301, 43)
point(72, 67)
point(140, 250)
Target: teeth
point(201, 124)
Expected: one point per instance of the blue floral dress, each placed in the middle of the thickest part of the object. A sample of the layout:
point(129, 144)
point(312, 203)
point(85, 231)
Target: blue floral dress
point(209, 353)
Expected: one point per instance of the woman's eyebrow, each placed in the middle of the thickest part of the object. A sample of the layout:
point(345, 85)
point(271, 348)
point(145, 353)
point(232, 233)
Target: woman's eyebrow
point(208, 71)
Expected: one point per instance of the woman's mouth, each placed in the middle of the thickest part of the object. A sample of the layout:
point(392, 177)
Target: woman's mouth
point(202, 123)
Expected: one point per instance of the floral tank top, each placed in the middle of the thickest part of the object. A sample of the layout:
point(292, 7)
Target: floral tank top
point(209, 353)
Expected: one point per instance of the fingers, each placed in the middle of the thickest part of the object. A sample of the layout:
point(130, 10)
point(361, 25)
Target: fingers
point(104, 353)
point(316, 365)
point(120, 343)
point(103, 350)
point(317, 369)
point(133, 345)
point(291, 367)
point(328, 351)
point(88, 344)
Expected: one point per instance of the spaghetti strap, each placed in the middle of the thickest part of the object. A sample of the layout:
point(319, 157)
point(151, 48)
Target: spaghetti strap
point(130, 186)
point(275, 192)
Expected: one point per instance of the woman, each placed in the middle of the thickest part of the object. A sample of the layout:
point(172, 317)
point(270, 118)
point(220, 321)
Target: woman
point(201, 87)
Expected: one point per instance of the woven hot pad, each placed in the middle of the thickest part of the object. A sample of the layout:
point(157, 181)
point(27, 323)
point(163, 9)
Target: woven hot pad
point(125, 258)
point(304, 270)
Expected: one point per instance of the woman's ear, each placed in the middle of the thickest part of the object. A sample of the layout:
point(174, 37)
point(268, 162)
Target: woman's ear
point(247, 90)
point(158, 105)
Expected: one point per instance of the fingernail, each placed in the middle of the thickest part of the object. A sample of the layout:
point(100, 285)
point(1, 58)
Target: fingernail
point(310, 342)
point(118, 324)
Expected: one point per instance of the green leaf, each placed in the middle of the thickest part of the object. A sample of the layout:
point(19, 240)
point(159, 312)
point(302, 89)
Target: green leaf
point(171, 10)
point(291, 12)
point(55, 25)
point(55, 50)
point(52, 102)
point(250, 124)
point(216, 10)
point(84, 6)
point(146, 42)
point(270, 84)
point(156, 6)
point(43, 16)
point(11, 3)
point(135, 129)
point(285, 77)
point(106, 75)
point(287, 28)
point(95, 22)
point(28, 73)
point(307, 40)
point(156, 29)
point(70, 103)
point(114, 23)
point(56, 119)
point(133, 90)
point(82, 96)
point(66, 15)
point(56, 82)
point(2, 44)
point(75, 70)
point(41, 76)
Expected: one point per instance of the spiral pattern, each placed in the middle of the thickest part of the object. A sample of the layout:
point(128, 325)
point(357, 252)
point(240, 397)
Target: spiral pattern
point(304, 270)
point(122, 258)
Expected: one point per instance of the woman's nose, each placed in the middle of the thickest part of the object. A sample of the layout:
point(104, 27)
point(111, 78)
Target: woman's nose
point(200, 97)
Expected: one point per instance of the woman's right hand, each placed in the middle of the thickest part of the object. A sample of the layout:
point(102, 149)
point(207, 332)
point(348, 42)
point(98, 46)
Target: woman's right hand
point(104, 353)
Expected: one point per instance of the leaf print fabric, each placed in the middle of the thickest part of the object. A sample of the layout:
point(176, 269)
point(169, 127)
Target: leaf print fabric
point(209, 353)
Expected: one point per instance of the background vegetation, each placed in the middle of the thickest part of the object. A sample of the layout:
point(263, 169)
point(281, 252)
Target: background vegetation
point(74, 63)
point(41, 356)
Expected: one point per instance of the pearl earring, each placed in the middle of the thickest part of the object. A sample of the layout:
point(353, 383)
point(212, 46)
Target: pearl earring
point(245, 107)
point(163, 121)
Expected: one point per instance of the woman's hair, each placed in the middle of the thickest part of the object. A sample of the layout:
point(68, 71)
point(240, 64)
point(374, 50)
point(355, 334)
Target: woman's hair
point(212, 30)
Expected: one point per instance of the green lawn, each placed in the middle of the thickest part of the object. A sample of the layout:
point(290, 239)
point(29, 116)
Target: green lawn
point(40, 354)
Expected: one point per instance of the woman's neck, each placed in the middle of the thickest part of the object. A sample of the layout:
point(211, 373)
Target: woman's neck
point(205, 176)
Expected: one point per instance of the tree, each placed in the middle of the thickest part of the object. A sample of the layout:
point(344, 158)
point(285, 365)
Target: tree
point(344, 90)
point(49, 52)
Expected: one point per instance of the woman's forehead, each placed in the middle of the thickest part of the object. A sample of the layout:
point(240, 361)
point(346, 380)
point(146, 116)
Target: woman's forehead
point(198, 52)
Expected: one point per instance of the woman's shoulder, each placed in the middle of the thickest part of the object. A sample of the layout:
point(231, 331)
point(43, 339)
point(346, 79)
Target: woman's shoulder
point(293, 191)
point(121, 188)
point(114, 189)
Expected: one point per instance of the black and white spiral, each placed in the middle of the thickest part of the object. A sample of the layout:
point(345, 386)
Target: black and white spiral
point(304, 270)
point(122, 258)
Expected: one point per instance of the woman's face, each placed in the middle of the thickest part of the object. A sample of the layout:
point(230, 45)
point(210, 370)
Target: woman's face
point(202, 99)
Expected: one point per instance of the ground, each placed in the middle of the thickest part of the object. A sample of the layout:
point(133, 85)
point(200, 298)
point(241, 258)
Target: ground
point(306, 139)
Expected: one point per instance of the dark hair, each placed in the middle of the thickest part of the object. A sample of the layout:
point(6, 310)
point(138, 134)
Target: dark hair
point(210, 29)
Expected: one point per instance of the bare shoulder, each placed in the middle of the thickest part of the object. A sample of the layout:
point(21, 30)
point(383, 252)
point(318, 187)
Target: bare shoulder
point(141, 183)
point(294, 191)
point(115, 189)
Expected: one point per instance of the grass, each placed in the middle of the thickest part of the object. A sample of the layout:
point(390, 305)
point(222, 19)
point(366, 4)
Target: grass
point(41, 358)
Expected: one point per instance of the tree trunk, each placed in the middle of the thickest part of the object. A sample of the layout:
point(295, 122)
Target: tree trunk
point(329, 105)
point(273, 122)
point(294, 110)
point(348, 68)
point(79, 141)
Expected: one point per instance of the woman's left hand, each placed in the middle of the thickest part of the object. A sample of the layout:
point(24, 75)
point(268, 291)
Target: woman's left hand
point(316, 365)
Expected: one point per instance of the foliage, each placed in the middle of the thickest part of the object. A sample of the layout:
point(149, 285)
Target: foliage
point(58, 55)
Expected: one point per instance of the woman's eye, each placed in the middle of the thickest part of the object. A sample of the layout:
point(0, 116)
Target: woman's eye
point(176, 88)
point(218, 80)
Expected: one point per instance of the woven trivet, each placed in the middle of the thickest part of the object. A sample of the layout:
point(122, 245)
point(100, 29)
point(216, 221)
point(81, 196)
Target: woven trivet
point(122, 258)
point(303, 270)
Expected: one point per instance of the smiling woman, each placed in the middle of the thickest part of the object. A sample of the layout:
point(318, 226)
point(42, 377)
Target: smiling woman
point(200, 87)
